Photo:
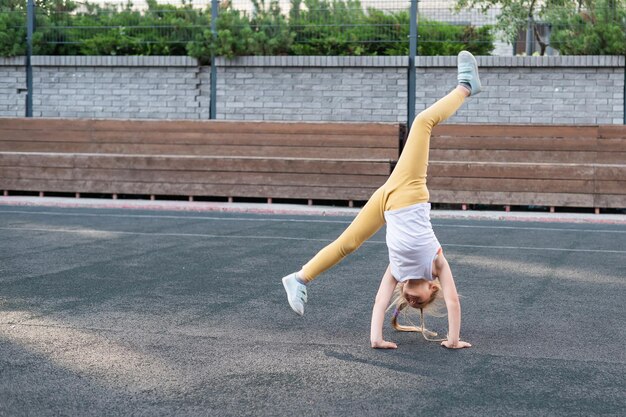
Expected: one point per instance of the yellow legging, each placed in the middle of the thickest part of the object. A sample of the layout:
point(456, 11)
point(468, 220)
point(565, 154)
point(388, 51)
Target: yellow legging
point(404, 187)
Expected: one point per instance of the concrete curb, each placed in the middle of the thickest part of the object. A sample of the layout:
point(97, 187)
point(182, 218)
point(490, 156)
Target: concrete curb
point(300, 210)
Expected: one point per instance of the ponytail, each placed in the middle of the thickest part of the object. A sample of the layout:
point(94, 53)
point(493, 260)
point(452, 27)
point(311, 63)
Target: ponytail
point(401, 307)
point(394, 318)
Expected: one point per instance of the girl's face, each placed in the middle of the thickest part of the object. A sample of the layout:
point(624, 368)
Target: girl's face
point(417, 292)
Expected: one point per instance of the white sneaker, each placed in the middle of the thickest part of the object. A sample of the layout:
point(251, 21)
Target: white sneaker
point(296, 293)
point(468, 72)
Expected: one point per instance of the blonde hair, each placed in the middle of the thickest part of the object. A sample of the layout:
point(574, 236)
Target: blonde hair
point(433, 306)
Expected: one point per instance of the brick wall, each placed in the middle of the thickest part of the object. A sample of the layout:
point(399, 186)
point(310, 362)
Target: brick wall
point(126, 87)
point(12, 78)
point(570, 90)
point(310, 89)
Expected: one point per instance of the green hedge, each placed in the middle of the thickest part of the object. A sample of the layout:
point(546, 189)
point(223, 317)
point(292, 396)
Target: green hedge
point(321, 27)
point(599, 30)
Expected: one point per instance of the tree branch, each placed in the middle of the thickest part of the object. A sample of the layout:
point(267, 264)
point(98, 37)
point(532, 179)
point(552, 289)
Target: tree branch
point(542, 43)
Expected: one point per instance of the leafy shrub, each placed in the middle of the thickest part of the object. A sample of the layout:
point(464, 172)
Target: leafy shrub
point(598, 30)
point(440, 38)
point(321, 28)
point(271, 31)
point(374, 32)
point(313, 27)
point(233, 37)
point(12, 30)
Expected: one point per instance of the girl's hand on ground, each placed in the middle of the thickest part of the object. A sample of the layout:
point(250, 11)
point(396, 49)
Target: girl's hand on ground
point(381, 344)
point(458, 345)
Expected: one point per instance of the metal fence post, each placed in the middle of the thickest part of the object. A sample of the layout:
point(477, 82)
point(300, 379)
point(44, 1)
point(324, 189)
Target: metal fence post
point(30, 27)
point(213, 102)
point(412, 53)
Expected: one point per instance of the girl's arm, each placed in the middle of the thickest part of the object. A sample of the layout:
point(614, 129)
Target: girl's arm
point(452, 304)
point(385, 291)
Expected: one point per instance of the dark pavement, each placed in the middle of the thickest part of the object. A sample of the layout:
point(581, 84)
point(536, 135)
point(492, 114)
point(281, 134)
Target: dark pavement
point(127, 312)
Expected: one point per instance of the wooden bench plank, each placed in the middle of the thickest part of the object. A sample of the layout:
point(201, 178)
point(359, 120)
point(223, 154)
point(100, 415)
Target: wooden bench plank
point(610, 187)
point(511, 143)
point(149, 138)
point(610, 157)
point(223, 190)
point(612, 132)
point(190, 176)
point(198, 163)
point(17, 159)
point(512, 198)
point(203, 126)
point(511, 185)
point(289, 128)
point(217, 150)
point(521, 131)
point(611, 145)
point(239, 164)
point(510, 170)
point(514, 156)
point(38, 123)
point(611, 172)
point(250, 139)
point(22, 135)
point(609, 201)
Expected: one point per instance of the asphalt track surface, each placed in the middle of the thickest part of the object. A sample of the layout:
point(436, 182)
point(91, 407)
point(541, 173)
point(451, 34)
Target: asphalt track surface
point(127, 312)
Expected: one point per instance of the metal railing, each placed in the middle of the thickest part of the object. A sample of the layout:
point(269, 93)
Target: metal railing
point(297, 27)
point(310, 27)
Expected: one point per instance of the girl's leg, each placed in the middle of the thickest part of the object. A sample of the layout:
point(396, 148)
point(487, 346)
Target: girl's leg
point(407, 183)
point(369, 220)
point(410, 172)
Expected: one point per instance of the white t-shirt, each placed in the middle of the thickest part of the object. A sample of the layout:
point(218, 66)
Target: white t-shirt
point(412, 243)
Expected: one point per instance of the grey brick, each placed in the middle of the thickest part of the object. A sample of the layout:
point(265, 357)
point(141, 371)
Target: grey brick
point(589, 120)
point(583, 108)
point(563, 108)
point(596, 101)
point(518, 119)
point(602, 108)
point(541, 119)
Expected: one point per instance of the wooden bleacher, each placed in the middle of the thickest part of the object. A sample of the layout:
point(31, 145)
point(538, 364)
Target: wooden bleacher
point(555, 166)
point(321, 161)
